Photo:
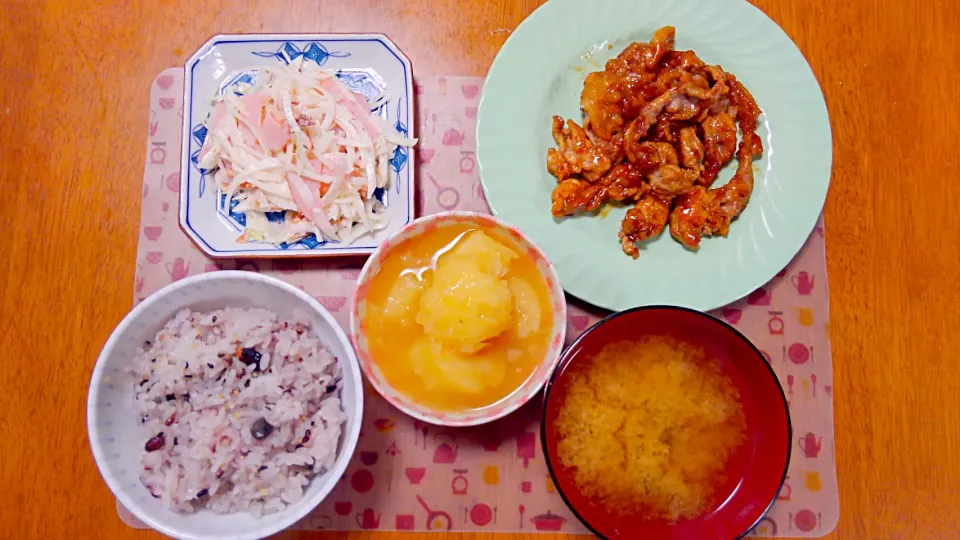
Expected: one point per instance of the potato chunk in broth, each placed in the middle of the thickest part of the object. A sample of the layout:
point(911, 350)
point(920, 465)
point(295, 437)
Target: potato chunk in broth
point(458, 318)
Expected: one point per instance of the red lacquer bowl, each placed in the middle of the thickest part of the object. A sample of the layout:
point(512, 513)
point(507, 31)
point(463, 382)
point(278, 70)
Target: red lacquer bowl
point(755, 472)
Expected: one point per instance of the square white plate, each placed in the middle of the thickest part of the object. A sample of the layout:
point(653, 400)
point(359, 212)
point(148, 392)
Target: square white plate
point(367, 63)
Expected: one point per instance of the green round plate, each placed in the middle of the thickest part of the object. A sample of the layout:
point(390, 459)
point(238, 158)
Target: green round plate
point(539, 73)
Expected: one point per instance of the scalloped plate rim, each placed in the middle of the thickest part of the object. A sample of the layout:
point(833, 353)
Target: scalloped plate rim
point(600, 290)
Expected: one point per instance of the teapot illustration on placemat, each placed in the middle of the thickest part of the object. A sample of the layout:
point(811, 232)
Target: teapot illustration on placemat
point(810, 444)
point(803, 282)
point(178, 269)
point(368, 519)
point(445, 453)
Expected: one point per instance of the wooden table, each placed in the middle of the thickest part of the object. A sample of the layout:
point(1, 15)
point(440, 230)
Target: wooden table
point(74, 90)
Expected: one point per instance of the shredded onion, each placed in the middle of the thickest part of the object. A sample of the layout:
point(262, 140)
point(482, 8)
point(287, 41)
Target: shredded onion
point(322, 124)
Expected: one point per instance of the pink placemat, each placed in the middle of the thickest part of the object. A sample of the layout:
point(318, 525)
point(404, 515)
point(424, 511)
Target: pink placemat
point(411, 476)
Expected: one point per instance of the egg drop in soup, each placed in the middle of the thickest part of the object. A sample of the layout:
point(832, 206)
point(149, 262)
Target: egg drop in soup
point(649, 427)
point(458, 318)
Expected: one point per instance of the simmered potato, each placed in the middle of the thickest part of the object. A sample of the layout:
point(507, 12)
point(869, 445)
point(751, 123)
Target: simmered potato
point(491, 256)
point(445, 370)
point(465, 307)
point(468, 302)
point(400, 306)
point(527, 307)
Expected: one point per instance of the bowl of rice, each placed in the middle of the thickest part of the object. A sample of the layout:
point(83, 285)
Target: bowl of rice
point(225, 405)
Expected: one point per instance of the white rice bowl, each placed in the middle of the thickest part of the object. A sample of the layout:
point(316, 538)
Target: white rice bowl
point(246, 367)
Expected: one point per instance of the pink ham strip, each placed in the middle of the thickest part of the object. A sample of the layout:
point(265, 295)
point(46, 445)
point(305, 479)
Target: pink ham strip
point(335, 87)
point(314, 188)
point(331, 166)
point(301, 193)
point(219, 110)
point(349, 100)
point(275, 134)
point(319, 166)
point(248, 137)
point(253, 103)
point(306, 194)
point(362, 115)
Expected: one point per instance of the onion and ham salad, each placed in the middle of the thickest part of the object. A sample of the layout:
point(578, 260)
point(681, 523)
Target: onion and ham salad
point(298, 140)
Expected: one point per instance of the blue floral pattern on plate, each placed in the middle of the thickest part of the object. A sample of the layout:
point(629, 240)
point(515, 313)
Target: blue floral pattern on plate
point(369, 64)
point(289, 51)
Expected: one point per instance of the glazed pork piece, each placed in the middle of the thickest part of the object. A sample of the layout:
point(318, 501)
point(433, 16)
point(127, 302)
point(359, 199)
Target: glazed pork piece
point(658, 126)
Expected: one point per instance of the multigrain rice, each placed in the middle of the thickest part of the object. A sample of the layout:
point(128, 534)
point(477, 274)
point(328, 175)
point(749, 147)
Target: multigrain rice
point(238, 409)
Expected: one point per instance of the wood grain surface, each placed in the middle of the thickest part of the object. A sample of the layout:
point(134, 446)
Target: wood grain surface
point(74, 82)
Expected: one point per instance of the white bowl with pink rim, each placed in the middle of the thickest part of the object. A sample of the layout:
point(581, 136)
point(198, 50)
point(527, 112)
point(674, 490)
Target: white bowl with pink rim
point(112, 422)
point(518, 398)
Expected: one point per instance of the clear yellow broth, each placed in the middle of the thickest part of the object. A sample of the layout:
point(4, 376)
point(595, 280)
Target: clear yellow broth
point(456, 321)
